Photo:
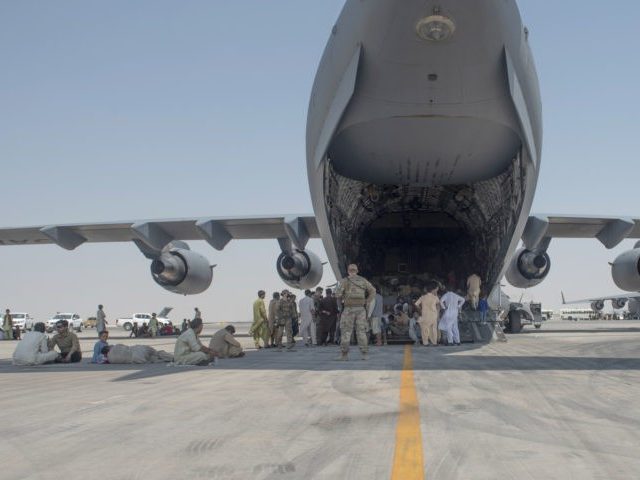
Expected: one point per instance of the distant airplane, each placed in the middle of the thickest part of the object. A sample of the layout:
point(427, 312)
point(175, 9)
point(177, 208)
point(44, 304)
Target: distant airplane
point(424, 138)
point(618, 302)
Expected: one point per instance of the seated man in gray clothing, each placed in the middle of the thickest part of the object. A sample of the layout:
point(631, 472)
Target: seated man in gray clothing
point(225, 345)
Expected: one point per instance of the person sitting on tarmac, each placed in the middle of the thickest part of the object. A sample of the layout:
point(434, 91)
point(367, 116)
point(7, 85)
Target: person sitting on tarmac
point(225, 345)
point(67, 342)
point(397, 327)
point(135, 331)
point(99, 345)
point(143, 331)
point(33, 348)
point(414, 330)
point(138, 354)
point(166, 329)
point(189, 350)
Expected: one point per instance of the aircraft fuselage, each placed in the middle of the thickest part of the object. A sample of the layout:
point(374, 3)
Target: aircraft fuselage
point(423, 139)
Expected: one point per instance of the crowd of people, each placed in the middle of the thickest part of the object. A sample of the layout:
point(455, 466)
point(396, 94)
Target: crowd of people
point(322, 317)
point(358, 307)
point(36, 348)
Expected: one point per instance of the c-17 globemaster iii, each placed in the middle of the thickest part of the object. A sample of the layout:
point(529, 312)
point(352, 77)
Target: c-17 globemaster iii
point(424, 138)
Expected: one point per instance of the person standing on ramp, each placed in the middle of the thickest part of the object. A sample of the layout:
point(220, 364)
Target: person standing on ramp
point(355, 293)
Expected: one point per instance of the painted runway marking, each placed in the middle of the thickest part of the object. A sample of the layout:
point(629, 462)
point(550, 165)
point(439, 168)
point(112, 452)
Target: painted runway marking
point(408, 462)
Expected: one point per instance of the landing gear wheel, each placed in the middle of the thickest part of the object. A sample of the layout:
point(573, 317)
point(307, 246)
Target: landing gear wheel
point(515, 322)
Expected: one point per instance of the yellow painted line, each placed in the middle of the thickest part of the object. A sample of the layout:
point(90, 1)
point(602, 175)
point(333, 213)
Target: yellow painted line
point(408, 461)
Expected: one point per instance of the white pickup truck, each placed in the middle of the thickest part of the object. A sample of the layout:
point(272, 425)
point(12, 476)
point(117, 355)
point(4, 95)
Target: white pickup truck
point(143, 319)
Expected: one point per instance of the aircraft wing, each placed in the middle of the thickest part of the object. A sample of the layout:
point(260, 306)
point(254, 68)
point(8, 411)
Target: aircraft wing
point(164, 313)
point(627, 296)
point(152, 235)
point(610, 231)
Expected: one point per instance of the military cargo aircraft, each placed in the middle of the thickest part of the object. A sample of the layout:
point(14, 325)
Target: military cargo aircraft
point(424, 138)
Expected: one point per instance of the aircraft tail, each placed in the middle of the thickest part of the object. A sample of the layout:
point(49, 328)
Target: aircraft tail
point(564, 302)
point(165, 312)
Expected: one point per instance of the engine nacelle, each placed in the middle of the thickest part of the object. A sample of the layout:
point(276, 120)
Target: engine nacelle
point(182, 271)
point(300, 269)
point(597, 306)
point(528, 269)
point(625, 270)
point(618, 303)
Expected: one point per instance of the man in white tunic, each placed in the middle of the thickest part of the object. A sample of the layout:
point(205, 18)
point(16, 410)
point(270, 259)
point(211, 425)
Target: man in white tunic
point(306, 306)
point(33, 349)
point(376, 317)
point(451, 304)
point(189, 350)
point(413, 328)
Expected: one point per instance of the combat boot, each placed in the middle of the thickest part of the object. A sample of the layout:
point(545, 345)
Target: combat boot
point(365, 356)
point(343, 357)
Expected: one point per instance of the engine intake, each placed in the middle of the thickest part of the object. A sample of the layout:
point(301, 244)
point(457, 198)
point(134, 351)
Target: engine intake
point(618, 303)
point(300, 269)
point(182, 271)
point(625, 270)
point(597, 306)
point(528, 269)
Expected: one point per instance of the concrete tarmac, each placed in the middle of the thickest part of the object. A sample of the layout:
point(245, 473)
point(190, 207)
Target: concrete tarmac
point(556, 403)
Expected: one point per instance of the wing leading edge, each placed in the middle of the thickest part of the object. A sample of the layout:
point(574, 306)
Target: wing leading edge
point(629, 296)
point(155, 234)
point(610, 231)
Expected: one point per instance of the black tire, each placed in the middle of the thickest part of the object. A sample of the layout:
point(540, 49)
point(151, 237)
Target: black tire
point(127, 326)
point(515, 322)
point(538, 326)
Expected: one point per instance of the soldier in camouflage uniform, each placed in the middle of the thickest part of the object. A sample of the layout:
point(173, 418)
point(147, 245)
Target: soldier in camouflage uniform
point(355, 293)
point(284, 316)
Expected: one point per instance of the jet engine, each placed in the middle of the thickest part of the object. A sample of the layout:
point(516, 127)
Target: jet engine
point(299, 269)
point(625, 270)
point(182, 271)
point(528, 269)
point(618, 303)
point(597, 306)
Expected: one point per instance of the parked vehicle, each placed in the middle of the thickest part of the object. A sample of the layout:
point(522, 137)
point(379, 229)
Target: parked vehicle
point(89, 322)
point(576, 314)
point(143, 319)
point(22, 320)
point(75, 321)
point(521, 314)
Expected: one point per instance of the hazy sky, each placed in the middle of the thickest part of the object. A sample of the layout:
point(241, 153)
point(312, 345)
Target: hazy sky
point(122, 110)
